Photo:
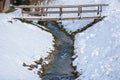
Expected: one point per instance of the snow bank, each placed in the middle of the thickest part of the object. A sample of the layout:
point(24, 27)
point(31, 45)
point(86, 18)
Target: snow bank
point(98, 48)
point(21, 42)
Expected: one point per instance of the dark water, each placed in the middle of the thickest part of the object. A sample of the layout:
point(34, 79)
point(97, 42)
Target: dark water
point(60, 68)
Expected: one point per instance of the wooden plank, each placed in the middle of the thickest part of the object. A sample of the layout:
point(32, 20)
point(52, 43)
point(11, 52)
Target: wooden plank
point(59, 12)
point(60, 6)
point(56, 19)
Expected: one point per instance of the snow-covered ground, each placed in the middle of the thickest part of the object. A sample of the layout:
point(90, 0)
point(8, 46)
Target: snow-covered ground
point(98, 48)
point(21, 42)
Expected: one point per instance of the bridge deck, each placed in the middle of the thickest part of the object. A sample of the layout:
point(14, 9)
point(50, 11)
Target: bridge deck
point(56, 19)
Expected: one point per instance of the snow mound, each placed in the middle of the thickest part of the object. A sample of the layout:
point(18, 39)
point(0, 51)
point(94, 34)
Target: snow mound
point(98, 48)
point(21, 42)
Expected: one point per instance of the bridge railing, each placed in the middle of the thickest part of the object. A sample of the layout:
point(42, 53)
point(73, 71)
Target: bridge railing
point(63, 9)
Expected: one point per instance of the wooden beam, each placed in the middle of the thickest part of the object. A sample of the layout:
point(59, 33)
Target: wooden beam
point(60, 6)
point(56, 19)
point(60, 12)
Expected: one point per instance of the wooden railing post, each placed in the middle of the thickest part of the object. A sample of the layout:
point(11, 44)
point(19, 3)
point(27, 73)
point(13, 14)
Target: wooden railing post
point(79, 11)
point(34, 11)
point(60, 12)
point(100, 11)
point(46, 11)
point(22, 11)
point(42, 11)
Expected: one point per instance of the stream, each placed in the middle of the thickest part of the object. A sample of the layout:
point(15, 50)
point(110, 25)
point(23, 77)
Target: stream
point(60, 60)
point(61, 66)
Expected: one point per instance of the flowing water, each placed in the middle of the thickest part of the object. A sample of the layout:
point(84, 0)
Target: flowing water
point(60, 68)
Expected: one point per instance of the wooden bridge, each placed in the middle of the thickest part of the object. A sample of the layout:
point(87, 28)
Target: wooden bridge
point(91, 11)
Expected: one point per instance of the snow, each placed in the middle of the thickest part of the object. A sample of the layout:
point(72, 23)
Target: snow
point(21, 42)
point(98, 48)
point(71, 27)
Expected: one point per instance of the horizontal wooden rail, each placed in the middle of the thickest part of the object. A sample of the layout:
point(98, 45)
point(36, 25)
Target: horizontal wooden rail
point(57, 12)
point(60, 6)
